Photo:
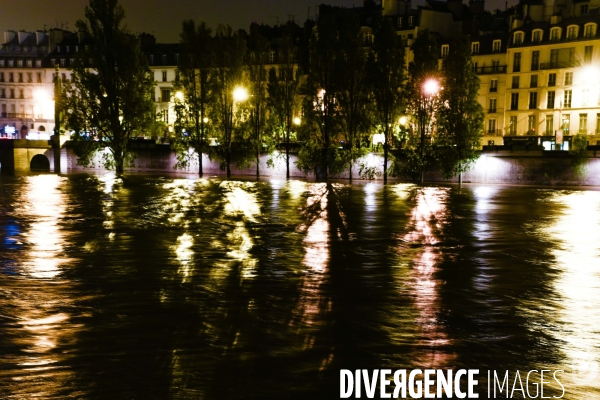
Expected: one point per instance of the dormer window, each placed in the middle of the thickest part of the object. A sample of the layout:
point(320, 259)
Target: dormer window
point(583, 9)
point(68, 49)
point(400, 21)
point(475, 48)
point(536, 36)
point(572, 32)
point(589, 31)
point(164, 59)
point(445, 50)
point(554, 34)
point(518, 38)
point(497, 44)
point(58, 49)
point(411, 21)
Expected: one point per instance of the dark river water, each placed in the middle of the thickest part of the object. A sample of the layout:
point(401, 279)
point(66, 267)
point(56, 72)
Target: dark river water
point(152, 287)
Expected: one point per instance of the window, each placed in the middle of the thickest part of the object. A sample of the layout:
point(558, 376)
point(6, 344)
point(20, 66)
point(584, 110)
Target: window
point(552, 79)
point(550, 124)
point(513, 125)
point(495, 65)
point(494, 85)
point(568, 97)
point(29, 77)
point(38, 63)
point(491, 126)
point(39, 77)
point(445, 50)
point(555, 35)
point(550, 101)
point(411, 21)
point(475, 48)
point(535, 60)
point(531, 125)
point(537, 36)
point(151, 59)
point(20, 77)
point(272, 57)
point(11, 63)
point(572, 32)
point(533, 81)
point(568, 78)
point(532, 100)
point(514, 101)
point(11, 77)
point(589, 31)
point(515, 82)
point(400, 21)
point(518, 38)
point(496, 46)
point(165, 95)
point(583, 9)
point(29, 63)
point(492, 106)
point(1, 63)
point(12, 93)
point(164, 59)
point(583, 123)
point(1, 76)
point(164, 76)
point(3, 93)
point(21, 94)
point(517, 62)
point(598, 123)
point(62, 62)
point(566, 123)
point(587, 54)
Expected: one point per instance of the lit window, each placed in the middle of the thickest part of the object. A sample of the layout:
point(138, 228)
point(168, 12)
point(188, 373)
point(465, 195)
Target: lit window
point(475, 48)
point(518, 39)
point(572, 32)
point(445, 50)
point(583, 123)
point(496, 46)
point(555, 35)
point(537, 36)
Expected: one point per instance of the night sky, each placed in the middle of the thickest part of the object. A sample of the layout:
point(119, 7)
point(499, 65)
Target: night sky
point(163, 17)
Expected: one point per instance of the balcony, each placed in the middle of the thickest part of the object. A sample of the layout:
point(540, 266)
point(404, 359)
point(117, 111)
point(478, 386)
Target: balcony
point(495, 69)
point(557, 64)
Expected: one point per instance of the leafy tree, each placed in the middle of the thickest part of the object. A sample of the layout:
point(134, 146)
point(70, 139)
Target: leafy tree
point(284, 93)
point(229, 71)
point(192, 106)
point(351, 89)
point(110, 97)
point(460, 119)
point(386, 78)
point(257, 74)
point(422, 105)
point(319, 153)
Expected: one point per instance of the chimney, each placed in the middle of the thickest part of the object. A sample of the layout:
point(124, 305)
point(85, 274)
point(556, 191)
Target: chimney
point(477, 7)
point(23, 36)
point(9, 35)
point(39, 37)
point(455, 6)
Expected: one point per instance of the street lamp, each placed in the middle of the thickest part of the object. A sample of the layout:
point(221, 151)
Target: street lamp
point(429, 90)
point(431, 87)
point(240, 94)
point(297, 121)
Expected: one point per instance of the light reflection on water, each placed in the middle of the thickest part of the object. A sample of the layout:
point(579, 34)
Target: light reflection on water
point(152, 287)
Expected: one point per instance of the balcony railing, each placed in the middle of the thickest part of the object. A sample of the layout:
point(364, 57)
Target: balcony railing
point(557, 64)
point(495, 69)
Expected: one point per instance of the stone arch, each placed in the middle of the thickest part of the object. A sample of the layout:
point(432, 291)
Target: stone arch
point(39, 162)
point(42, 128)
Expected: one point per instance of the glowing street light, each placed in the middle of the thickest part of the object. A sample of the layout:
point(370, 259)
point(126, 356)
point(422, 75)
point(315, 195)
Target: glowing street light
point(297, 121)
point(431, 87)
point(240, 94)
point(205, 120)
point(179, 96)
point(402, 121)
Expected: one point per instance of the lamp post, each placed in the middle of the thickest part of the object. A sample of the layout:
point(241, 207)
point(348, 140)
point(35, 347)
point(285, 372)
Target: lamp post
point(57, 115)
point(429, 90)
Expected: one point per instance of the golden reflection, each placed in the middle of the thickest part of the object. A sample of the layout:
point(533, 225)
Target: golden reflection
point(42, 327)
point(185, 256)
point(576, 232)
point(43, 204)
point(427, 219)
point(316, 257)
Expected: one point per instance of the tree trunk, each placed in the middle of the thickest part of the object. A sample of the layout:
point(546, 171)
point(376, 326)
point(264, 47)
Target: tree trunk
point(228, 162)
point(287, 153)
